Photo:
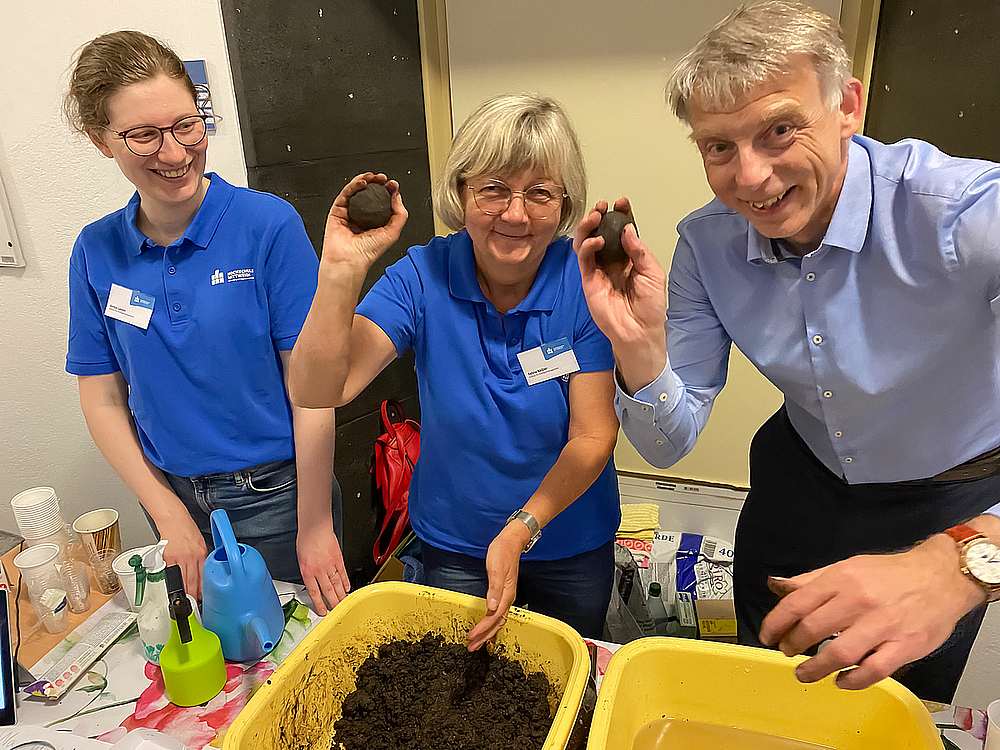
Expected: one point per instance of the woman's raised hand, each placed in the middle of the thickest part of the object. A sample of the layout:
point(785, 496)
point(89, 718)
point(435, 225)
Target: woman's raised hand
point(343, 242)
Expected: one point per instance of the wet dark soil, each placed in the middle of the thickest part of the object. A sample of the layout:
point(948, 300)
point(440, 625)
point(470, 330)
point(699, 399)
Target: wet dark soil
point(432, 695)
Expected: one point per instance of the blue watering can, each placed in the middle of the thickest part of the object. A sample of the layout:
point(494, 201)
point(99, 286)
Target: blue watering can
point(239, 603)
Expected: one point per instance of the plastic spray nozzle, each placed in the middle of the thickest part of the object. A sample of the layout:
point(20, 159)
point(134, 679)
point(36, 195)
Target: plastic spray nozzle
point(180, 607)
point(140, 578)
point(152, 560)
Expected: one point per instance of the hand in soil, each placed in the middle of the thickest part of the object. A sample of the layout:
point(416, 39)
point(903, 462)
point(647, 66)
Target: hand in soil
point(502, 561)
point(433, 695)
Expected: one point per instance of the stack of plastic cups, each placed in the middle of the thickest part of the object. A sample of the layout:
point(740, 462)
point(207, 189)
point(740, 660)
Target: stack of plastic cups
point(39, 518)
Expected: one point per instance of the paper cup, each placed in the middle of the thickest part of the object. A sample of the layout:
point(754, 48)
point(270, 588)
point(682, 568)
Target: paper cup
point(993, 726)
point(126, 574)
point(98, 531)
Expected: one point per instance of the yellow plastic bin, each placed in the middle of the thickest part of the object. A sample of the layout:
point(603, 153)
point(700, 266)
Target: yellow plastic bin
point(297, 707)
point(753, 689)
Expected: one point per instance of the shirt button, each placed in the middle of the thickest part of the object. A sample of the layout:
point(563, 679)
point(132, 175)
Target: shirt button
point(177, 307)
point(817, 339)
point(659, 442)
point(172, 270)
point(663, 397)
point(838, 433)
point(810, 276)
point(827, 394)
point(848, 460)
point(515, 342)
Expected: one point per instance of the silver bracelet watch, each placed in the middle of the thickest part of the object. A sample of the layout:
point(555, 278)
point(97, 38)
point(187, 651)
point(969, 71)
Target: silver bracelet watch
point(532, 524)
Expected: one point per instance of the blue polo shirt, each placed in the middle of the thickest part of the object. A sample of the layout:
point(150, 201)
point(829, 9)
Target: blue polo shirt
point(205, 379)
point(487, 438)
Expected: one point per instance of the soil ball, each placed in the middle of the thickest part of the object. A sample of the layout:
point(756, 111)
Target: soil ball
point(611, 228)
point(370, 208)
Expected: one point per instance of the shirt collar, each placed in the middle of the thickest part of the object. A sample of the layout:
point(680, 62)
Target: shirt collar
point(463, 283)
point(849, 225)
point(201, 229)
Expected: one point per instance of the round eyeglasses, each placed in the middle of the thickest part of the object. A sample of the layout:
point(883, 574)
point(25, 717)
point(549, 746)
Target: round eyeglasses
point(540, 201)
point(146, 140)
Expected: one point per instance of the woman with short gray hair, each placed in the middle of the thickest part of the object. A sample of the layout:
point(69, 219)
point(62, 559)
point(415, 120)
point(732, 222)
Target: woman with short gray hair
point(514, 378)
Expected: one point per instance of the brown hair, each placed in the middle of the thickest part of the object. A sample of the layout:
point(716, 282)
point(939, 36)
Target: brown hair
point(107, 64)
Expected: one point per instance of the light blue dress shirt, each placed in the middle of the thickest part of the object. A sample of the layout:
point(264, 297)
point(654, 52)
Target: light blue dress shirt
point(884, 340)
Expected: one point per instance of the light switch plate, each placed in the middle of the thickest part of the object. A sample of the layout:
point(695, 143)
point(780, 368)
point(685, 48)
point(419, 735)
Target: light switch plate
point(10, 250)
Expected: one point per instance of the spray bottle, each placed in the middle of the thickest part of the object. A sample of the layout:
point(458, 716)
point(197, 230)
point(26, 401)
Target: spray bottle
point(193, 668)
point(151, 598)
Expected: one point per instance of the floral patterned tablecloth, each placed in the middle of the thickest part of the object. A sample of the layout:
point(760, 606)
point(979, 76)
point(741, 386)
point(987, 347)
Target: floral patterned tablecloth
point(122, 692)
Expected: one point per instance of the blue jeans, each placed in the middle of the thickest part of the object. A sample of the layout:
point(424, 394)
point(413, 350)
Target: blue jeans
point(576, 590)
point(261, 504)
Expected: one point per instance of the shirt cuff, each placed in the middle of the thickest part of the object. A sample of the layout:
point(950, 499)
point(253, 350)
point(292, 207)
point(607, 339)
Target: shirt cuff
point(652, 402)
point(995, 510)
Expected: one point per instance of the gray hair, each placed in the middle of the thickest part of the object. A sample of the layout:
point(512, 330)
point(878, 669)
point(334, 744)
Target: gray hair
point(754, 43)
point(505, 135)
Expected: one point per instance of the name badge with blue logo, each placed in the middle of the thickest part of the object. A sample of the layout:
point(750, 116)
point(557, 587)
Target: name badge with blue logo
point(551, 360)
point(130, 306)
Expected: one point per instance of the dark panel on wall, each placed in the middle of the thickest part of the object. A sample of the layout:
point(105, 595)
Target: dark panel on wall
point(326, 91)
point(935, 75)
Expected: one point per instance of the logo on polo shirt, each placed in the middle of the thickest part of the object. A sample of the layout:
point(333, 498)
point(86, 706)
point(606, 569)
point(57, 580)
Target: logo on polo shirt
point(239, 274)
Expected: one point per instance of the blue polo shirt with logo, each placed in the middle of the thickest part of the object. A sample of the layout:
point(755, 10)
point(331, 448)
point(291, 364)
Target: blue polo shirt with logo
point(487, 438)
point(205, 379)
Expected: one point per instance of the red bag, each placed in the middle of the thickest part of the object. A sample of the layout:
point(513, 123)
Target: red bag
point(395, 455)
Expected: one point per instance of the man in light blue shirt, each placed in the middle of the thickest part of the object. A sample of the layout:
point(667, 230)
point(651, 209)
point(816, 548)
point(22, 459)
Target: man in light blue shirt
point(863, 280)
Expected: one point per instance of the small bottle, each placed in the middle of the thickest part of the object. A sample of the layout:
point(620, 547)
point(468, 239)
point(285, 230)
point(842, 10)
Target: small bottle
point(657, 611)
point(637, 605)
point(151, 598)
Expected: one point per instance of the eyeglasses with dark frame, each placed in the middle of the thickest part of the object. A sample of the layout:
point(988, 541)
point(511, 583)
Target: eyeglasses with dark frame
point(540, 201)
point(146, 140)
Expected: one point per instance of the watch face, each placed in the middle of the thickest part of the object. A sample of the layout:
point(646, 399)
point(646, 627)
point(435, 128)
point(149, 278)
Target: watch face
point(983, 561)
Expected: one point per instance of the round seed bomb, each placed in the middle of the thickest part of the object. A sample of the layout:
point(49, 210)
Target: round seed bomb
point(370, 208)
point(611, 228)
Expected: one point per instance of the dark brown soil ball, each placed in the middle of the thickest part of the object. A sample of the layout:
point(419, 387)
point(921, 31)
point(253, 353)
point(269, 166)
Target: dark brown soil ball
point(611, 228)
point(433, 695)
point(370, 208)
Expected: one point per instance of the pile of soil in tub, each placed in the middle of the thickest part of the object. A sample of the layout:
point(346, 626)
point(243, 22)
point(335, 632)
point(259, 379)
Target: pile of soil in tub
point(432, 695)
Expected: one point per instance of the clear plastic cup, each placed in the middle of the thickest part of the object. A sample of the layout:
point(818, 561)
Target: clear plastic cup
point(104, 573)
point(45, 585)
point(76, 576)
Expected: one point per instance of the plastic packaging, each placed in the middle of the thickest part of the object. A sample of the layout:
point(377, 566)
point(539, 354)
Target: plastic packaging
point(151, 598)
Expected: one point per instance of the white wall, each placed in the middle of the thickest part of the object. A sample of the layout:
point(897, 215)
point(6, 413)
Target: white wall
point(607, 64)
point(56, 183)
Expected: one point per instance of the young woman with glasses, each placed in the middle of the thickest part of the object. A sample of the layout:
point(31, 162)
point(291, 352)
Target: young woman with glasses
point(515, 380)
point(184, 306)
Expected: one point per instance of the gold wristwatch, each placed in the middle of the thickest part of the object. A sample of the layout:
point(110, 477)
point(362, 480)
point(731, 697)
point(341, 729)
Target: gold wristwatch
point(528, 520)
point(980, 559)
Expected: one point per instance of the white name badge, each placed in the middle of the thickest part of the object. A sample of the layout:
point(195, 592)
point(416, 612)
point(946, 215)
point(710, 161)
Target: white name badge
point(548, 361)
point(130, 306)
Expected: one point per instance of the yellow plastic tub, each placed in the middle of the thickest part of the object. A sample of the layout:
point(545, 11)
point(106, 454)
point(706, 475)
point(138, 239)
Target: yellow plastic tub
point(298, 706)
point(753, 689)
